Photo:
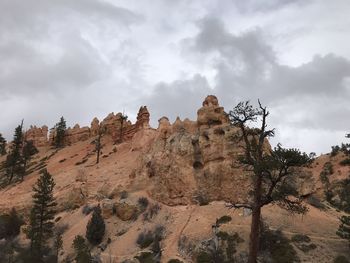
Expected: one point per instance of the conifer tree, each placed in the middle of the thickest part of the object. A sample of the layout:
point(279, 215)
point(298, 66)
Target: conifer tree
point(60, 132)
point(98, 144)
point(2, 145)
point(272, 171)
point(57, 244)
point(82, 252)
point(41, 216)
point(14, 158)
point(344, 228)
point(28, 151)
point(95, 228)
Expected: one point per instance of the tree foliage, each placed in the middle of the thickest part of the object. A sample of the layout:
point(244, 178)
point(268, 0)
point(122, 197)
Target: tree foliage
point(42, 214)
point(344, 228)
point(2, 145)
point(60, 132)
point(81, 249)
point(14, 159)
point(95, 228)
point(272, 170)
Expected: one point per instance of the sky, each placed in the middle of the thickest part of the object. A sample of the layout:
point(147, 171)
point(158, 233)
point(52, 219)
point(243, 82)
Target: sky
point(86, 58)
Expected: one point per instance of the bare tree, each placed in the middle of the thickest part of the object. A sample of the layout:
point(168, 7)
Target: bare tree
point(123, 118)
point(271, 169)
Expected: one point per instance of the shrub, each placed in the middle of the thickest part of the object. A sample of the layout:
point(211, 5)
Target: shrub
point(224, 219)
point(345, 162)
point(202, 199)
point(341, 259)
point(152, 212)
point(145, 239)
point(87, 209)
point(10, 224)
point(278, 246)
point(143, 203)
point(146, 257)
point(314, 201)
point(123, 194)
point(96, 227)
point(298, 238)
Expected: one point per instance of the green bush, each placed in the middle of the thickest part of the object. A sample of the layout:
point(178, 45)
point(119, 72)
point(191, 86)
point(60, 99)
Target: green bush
point(224, 219)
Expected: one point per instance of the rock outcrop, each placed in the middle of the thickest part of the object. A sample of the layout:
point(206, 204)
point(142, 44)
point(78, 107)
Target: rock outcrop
point(37, 135)
point(211, 113)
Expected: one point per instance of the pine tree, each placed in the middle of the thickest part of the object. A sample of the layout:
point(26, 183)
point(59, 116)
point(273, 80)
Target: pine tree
point(41, 216)
point(272, 171)
point(2, 145)
point(57, 244)
point(60, 130)
point(10, 224)
point(14, 158)
point(95, 228)
point(82, 252)
point(27, 152)
point(344, 228)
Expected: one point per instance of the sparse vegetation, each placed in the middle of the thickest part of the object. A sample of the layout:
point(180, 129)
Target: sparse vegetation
point(152, 211)
point(143, 203)
point(277, 247)
point(224, 219)
point(344, 228)
point(345, 162)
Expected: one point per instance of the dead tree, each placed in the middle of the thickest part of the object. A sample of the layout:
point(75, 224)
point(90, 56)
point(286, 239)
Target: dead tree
point(271, 171)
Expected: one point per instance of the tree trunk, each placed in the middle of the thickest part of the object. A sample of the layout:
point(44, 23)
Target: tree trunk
point(255, 225)
point(254, 235)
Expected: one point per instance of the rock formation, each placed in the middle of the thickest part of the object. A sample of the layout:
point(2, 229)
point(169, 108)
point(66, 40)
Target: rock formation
point(211, 113)
point(37, 135)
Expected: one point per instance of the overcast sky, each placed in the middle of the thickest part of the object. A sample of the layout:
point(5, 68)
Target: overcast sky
point(87, 58)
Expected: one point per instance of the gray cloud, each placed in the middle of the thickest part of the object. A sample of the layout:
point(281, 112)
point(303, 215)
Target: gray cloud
point(87, 58)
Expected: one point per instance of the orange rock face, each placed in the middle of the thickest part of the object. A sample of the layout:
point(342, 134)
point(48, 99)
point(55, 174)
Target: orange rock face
point(37, 135)
point(211, 113)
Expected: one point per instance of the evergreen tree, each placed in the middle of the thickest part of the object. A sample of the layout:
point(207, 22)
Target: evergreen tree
point(60, 132)
point(14, 158)
point(95, 228)
point(344, 228)
point(28, 151)
point(272, 171)
point(57, 244)
point(2, 145)
point(41, 216)
point(82, 252)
